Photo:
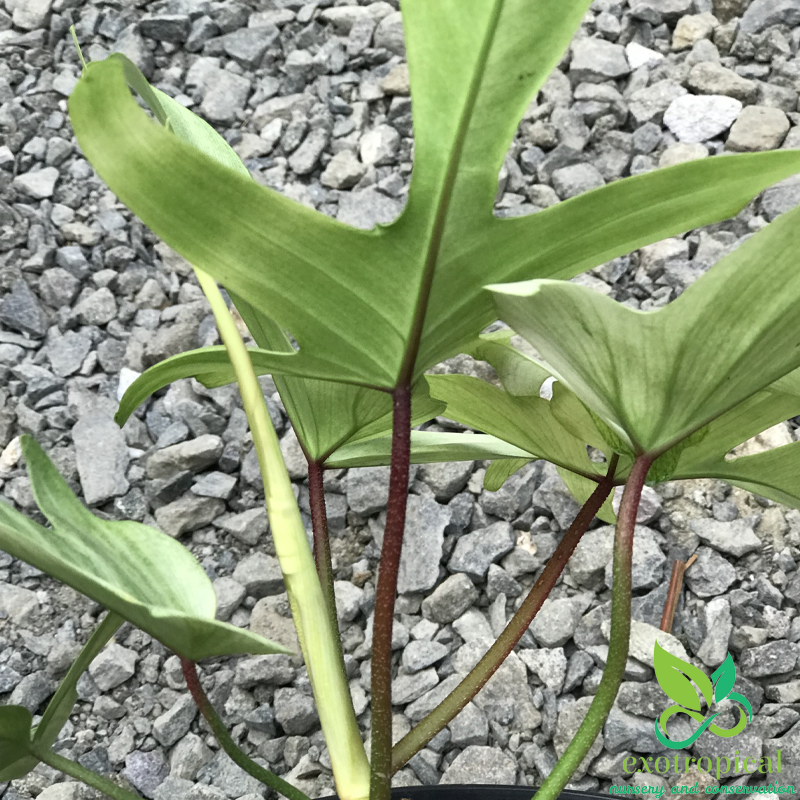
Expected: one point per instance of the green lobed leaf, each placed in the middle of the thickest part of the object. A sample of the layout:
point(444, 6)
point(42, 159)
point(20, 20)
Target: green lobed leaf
point(131, 569)
point(426, 447)
point(656, 377)
point(674, 676)
point(498, 472)
point(723, 679)
point(15, 743)
point(368, 297)
point(520, 374)
point(526, 422)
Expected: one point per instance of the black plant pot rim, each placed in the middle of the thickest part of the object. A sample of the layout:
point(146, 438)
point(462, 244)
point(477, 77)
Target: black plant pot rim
point(477, 791)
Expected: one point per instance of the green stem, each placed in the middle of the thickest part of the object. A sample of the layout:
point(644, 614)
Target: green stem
point(226, 742)
point(60, 706)
point(318, 640)
point(619, 640)
point(75, 770)
point(427, 728)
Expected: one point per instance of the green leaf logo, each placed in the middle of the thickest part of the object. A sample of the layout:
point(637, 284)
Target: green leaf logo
point(675, 677)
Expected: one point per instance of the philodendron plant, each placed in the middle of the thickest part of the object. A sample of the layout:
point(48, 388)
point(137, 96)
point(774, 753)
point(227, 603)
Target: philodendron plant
point(349, 321)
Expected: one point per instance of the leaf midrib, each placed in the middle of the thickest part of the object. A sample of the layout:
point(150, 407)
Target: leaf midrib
point(445, 197)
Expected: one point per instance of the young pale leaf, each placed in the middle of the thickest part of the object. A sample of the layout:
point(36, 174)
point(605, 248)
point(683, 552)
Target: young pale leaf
point(426, 448)
point(135, 571)
point(656, 377)
point(500, 471)
point(674, 677)
point(15, 743)
point(520, 374)
point(526, 422)
point(723, 679)
point(382, 306)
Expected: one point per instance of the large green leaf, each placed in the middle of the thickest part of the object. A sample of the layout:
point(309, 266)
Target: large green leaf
point(656, 377)
point(133, 570)
point(525, 422)
point(15, 743)
point(520, 374)
point(426, 447)
point(375, 307)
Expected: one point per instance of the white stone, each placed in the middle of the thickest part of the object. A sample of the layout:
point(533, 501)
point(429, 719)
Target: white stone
point(639, 56)
point(697, 119)
point(37, 185)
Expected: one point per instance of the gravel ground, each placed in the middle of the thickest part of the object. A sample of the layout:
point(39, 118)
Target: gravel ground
point(314, 97)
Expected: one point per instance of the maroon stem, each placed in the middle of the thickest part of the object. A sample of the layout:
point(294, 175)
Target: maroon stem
point(381, 750)
point(322, 546)
point(428, 727)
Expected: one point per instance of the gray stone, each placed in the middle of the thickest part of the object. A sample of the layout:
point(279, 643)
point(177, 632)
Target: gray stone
point(20, 604)
point(446, 479)
point(596, 61)
point(580, 663)
point(475, 551)
point(477, 764)
point(367, 490)
point(762, 14)
point(37, 185)
point(260, 574)
point(774, 658)
point(248, 45)
point(294, 711)
point(146, 771)
point(695, 118)
point(408, 688)
point(709, 78)
point(102, 457)
point(549, 665)
point(273, 670)
point(389, 34)
point(367, 208)
point(735, 538)
point(174, 724)
point(588, 563)
point(20, 311)
point(9, 677)
point(423, 653)
point(248, 527)
point(97, 308)
point(226, 95)
point(344, 171)
point(32, 691)
point(114, 666)
point(348, 600)
point(215, 484)
point(514, 496)
point(758, 128)
point(379, 146)
point(166, 27)
point(450, 599)
point(643, 699)
point(194, 455)
point(555, 622)
point(62, 791)
point(648, 560)
point(576, 179)
point(422, 545)
point(780, 198)
point(230, 595)
point(470, 727)
point(304, 159)
point(570, 717)
point(623, 731)
point(649, 103)
point(719, 626)
point(187, 514)
point(711, 574)
point(553, 493)
point(66, 353)
point(57, 287)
